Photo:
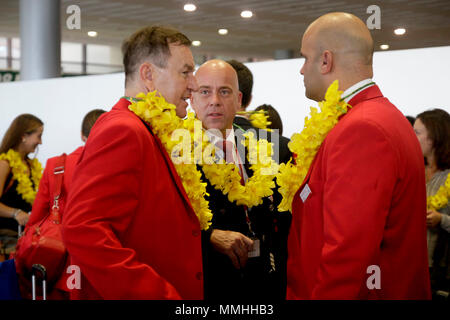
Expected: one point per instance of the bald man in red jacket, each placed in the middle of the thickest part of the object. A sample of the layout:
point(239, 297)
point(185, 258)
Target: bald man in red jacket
point(359, 218)
point(128, 224)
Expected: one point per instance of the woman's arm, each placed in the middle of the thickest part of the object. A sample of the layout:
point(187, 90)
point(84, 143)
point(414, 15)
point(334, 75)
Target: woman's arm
point(6, 211)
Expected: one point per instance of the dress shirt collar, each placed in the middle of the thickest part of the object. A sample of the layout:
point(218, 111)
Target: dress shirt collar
point(215, 138)
point(356, 86)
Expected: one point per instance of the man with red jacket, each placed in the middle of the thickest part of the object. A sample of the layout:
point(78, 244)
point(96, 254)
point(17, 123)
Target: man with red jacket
point(358, 227)
point(129, 226)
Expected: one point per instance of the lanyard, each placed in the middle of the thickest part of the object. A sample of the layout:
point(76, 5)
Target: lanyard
point(247, 218)
point(242, 174)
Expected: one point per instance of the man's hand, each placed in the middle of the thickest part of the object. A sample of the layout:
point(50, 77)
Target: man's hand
point(433, 218)
point(22, 218)
point(234, 244)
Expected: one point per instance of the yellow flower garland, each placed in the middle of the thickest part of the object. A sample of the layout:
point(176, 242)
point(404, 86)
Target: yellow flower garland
point(306, 144)
point(223, 176)
point(440, 199)
point(161, 115)
point(259, 119)
point(19, 171)
point(226, 177)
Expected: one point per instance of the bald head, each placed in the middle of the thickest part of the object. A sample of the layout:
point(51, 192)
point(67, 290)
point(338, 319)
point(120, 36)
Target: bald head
point(218, 97)
point(219, 67)
point(344, 34)
point(338, 46)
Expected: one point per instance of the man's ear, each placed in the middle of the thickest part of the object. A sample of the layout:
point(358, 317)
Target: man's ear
point(239, 107)
point(326, 62)
point(83, 138)
point(147, 75)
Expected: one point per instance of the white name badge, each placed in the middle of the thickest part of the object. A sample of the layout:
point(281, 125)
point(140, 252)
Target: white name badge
point(305, 193)
point(255, 252)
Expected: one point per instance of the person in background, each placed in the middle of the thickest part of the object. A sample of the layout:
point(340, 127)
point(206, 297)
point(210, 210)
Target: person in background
point(43, 198)
point(19, 177)
point(245, 80)
point(44, 201)
point(274, 117)
point(237, 232)
point(281, 220)
point(432, 128)
point(411, 120)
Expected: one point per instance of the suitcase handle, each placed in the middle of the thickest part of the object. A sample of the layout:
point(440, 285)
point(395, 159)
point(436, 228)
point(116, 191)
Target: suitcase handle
point(39, 270)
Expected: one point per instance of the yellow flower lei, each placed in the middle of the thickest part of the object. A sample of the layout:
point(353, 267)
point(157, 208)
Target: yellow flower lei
point(306, 144)
point(19, 171)
point(226, 177)
point(440, 199)
point(259, 119)
point(160, 114)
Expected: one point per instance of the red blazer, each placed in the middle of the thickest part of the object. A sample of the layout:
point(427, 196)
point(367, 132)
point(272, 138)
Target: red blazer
point(44, 200)
point(367, 207)
point(41, 208)
point(128, 223)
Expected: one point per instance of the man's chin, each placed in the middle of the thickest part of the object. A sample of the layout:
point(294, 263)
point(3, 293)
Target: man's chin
point(181, 109)
point(181, 112)
point(311, 96)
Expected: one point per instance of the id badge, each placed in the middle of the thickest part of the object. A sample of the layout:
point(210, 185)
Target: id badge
point(305, 193)
point(255, 252)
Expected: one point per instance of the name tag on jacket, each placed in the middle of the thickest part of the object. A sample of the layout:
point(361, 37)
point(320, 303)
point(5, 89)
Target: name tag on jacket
point(305, 193)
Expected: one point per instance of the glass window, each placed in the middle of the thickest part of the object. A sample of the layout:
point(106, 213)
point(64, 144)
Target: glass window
point(16, 48)
point(3, 48)
point(71, 68)
point(98, 54)
point(71, 52)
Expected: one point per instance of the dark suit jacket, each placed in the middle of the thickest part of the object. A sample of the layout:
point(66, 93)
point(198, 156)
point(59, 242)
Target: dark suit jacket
point(256, 280)
point(281, 221)
point(280, 147)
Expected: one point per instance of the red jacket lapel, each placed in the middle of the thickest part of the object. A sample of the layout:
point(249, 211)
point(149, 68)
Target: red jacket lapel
point(367, 94)
point(123, 105)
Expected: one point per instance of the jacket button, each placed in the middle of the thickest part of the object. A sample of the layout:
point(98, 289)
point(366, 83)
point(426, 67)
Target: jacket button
point(199, 276)
point(195, 233)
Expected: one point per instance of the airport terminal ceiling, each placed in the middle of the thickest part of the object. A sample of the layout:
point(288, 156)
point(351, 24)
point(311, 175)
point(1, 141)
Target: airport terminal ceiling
point(274, 25)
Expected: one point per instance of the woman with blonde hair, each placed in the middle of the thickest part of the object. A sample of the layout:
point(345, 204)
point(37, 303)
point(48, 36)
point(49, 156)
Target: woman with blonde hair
point(19, 177)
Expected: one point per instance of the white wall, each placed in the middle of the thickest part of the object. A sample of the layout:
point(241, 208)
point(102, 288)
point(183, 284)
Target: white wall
point(414, 80)
point(61, 104)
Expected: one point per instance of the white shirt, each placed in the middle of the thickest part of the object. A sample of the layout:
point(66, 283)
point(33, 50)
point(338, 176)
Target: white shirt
point(214, 138)
point(356, 86)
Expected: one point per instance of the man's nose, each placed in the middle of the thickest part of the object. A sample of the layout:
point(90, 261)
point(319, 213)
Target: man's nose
point(215, 100)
